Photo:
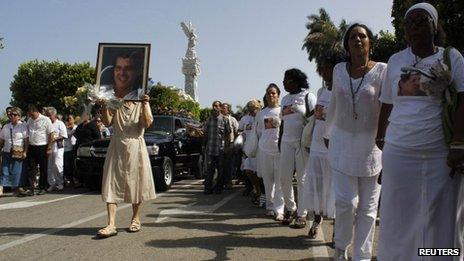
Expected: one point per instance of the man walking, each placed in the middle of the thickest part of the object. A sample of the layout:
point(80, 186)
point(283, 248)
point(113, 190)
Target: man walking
point(229, 152)
point(55, 158)
point(40, 146)
point(216, 129)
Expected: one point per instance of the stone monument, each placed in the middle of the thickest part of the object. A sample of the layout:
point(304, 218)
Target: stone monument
point(190, 64)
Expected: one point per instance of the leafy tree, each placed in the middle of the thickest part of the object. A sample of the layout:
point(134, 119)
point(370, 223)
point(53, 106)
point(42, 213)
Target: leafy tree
point(323, 37)
point(450, 13)
point(385, 45)
point(2, 45)
point(45, 83)
point(167, 100)
point(205, 113)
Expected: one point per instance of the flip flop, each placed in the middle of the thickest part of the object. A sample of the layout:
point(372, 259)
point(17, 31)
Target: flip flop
point(134, 226)
point(107, 232)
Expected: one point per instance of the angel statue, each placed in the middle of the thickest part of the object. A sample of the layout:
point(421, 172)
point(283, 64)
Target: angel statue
point(189, 31)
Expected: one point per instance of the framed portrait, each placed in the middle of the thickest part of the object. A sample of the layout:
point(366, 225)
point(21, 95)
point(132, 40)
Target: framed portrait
point(123, 67)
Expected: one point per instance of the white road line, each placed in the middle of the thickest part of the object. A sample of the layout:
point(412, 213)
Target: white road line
point(31, 203)
point(191, 209)
point(52, 231)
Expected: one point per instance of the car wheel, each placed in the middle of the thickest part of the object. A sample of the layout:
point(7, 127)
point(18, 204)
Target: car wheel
point(164, 178)
point(197, 170)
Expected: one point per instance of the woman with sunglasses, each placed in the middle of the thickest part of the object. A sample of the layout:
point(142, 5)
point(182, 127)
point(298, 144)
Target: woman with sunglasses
point(418, 204)
point(14, 136)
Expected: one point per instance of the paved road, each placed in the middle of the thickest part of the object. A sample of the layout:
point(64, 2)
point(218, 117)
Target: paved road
point(182, 224)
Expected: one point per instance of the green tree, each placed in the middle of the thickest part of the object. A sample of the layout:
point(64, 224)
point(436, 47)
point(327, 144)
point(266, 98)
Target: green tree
point(205, 113)
point(167, 100)
point(2, 45)
point(45, 83)
point(450, 13)
point(385, 45)
point(323, 37)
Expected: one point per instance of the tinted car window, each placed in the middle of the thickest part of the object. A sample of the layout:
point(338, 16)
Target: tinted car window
point(161, 124)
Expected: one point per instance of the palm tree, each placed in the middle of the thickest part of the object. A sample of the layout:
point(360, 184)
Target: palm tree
point(323, 37)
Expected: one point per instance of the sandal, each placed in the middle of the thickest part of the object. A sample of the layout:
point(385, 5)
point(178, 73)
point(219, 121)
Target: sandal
point(107, 231)
point(312, 234)
point(134, 226)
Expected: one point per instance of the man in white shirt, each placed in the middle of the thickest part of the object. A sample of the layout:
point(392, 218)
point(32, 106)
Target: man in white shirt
point(229, 159)
point(55, 159)
point(40, 146)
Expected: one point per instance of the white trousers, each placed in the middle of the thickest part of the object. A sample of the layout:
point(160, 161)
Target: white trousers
point(268, 169)
point(55, 168)
point(293, 157)
point(356, 200)
point(418, 205)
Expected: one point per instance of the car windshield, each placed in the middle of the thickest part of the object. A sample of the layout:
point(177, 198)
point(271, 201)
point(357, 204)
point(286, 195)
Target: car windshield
point(161, 124)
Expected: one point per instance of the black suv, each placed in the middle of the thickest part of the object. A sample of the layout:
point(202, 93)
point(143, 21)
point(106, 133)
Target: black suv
point(172, 152)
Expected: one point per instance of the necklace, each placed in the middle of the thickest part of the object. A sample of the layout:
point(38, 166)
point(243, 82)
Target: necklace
point(354, 92)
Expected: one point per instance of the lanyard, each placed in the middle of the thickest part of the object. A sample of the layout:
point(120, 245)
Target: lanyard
point(354, 92)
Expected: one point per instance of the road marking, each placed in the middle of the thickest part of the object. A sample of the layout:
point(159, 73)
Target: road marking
point(191, 209)
point(30, 203)
point(52, 231)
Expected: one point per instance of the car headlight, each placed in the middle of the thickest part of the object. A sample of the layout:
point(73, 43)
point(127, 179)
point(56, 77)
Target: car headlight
point(153, 149)
point(84, 151)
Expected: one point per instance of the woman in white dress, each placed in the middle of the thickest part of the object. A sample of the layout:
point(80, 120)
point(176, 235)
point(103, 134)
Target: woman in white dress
point(418, 203)
point(319, 194)
point(127, 174)
point(354, 158)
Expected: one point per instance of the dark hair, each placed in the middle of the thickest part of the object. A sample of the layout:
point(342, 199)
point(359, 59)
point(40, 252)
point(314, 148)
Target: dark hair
point(272, 85)
point(346, 37)
point(220, 103)
point(299, 76)
point(32, 108)
point(264, 98)
point(135, 56)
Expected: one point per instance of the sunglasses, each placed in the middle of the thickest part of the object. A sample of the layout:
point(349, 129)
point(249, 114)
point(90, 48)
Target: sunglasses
point(419, 22)
point(13, 114)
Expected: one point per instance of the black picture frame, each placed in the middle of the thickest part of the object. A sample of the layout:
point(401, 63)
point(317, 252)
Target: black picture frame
point(108, 71)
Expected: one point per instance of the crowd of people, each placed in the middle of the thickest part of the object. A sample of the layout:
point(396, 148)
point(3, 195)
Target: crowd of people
point(38, 151)
point(377, 134)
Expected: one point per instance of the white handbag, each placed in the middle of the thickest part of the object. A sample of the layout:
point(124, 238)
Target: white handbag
point(251, 143)
point(307, 135)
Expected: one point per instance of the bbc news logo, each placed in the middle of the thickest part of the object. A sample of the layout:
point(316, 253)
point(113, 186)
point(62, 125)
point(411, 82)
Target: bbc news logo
point(439, 251)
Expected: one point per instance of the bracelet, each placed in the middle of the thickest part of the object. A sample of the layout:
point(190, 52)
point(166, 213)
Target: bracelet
point(457, 143)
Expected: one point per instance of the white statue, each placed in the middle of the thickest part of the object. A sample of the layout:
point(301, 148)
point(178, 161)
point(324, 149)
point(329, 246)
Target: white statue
point(190, 64)
point(189, 31)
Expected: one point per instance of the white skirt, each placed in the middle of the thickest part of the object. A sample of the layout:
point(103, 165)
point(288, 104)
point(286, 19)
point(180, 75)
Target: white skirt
point(418, 204)
point(249, 164)
point(318, 190)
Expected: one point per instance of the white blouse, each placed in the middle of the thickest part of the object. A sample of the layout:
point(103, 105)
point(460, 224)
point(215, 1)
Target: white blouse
point(267, 128)
point(352, 148)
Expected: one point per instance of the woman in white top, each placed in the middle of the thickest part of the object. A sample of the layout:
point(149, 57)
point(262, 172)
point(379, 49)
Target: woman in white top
point(319, 195)
point(296, 108)
point(13, 134)
point(267, 128)
point(351, 120)
point(418, 203)
point(249, 164)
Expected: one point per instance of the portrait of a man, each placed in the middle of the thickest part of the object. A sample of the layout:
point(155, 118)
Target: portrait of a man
point(123, 68)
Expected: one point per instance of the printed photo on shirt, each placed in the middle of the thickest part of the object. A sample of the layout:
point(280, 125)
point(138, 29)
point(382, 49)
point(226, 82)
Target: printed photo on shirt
point(427, 80)
point(287, 109)
point(248, 126)
point(269, 123)
point(319, 113)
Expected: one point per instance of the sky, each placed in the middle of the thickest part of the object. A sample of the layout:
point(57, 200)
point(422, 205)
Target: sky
point(243, 45)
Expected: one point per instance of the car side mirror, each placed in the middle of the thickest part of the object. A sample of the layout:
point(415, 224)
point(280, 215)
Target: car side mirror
point(180, 133)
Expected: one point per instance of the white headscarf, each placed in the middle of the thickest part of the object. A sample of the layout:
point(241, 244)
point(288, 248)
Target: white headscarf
point(426, 7)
